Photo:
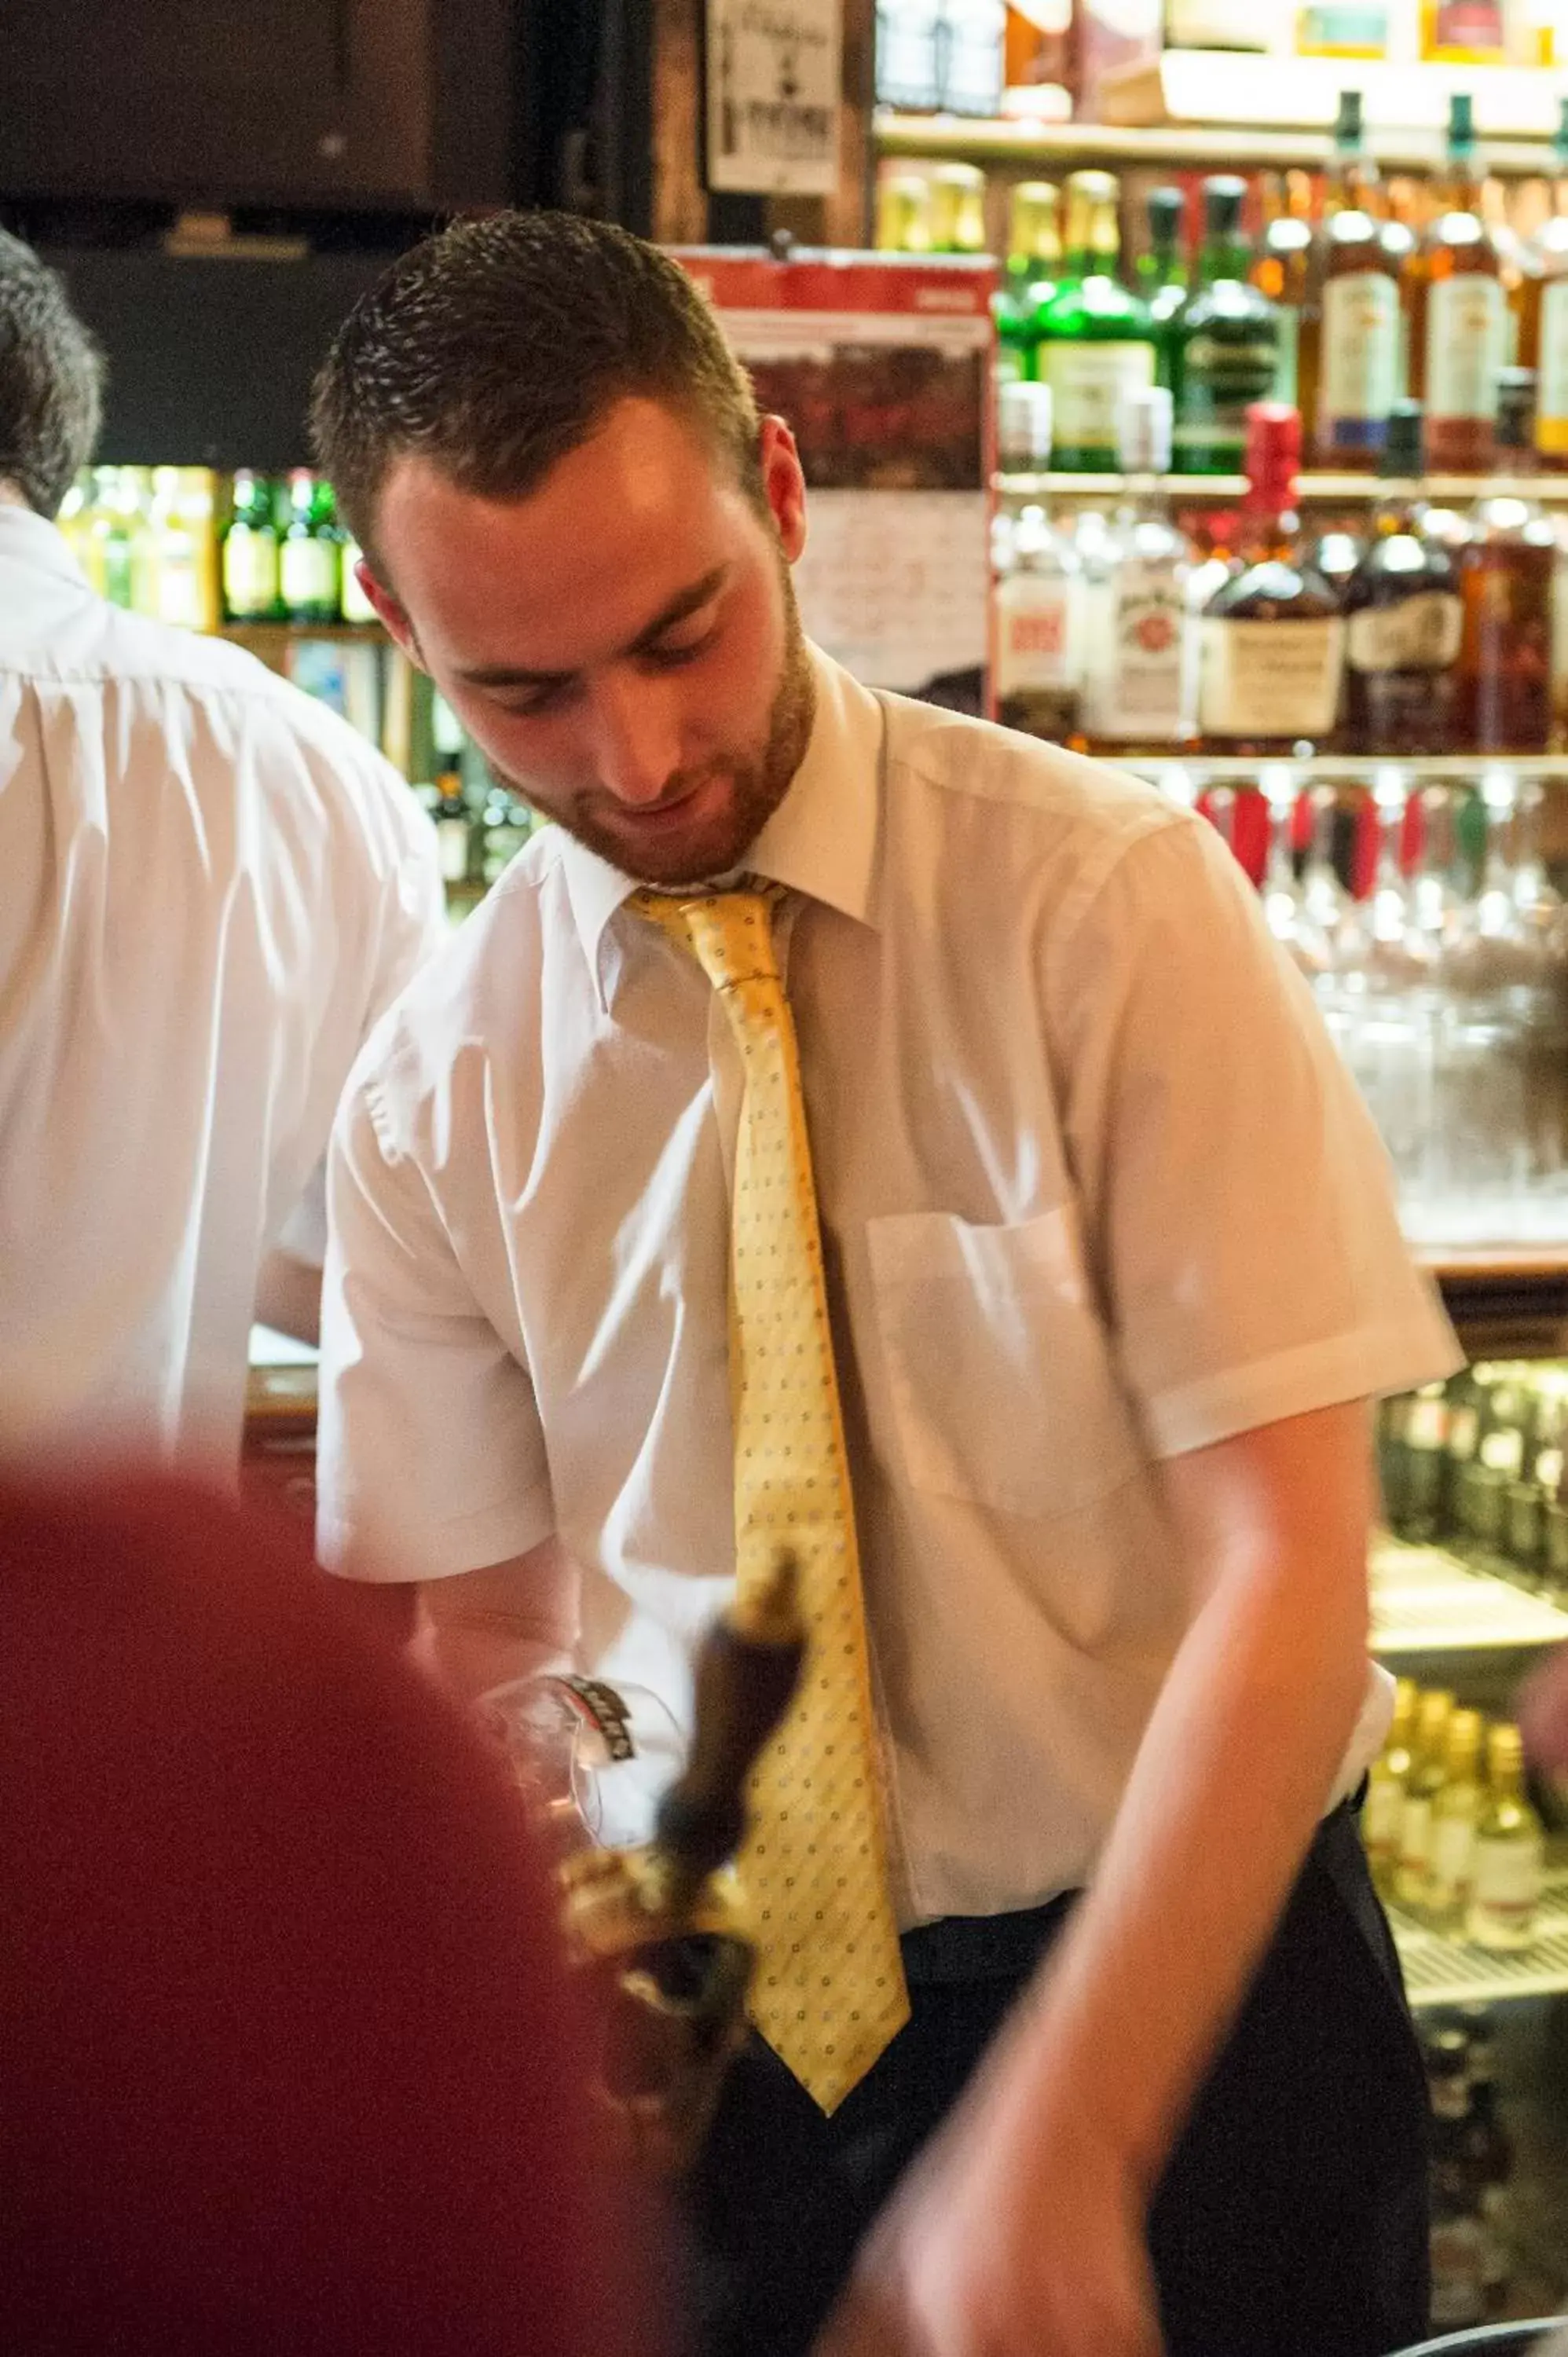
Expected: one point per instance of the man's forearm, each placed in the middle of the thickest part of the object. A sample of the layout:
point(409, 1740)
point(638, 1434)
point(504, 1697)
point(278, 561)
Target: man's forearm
point(1228, 1787)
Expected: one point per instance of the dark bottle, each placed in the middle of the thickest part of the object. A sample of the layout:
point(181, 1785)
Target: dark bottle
point(1161, 270)
point(1458, 2272)
point(1271, 650)
point(1224, 343)
point(1361, 335)
point(1490, 2151)
point(1506, 579)
point(1402, 616)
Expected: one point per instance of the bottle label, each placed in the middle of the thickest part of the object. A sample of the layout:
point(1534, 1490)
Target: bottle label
point(1421, 634)
point(307, 574)
point(1506, 1888)
point(1551, 385)
point(249, 573)
point(1220, 382)
point(1039, 634)
point(1271, 679)
point(1141, 655)
point(1466, 331)
point(1452, 1852)
point(1087, 382)
point(1360, 360)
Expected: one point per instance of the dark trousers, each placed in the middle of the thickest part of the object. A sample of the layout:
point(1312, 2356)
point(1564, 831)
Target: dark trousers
point(1291, 2221)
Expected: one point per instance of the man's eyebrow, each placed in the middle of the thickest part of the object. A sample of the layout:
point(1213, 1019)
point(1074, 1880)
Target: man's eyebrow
point(684, 602)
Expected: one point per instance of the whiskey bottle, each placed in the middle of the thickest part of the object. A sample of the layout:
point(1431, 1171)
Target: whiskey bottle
point(1455, 1814)
point(1458, 316)
point(1141, 675)
point(1096, 340)
point(1358, 374)
point(1224, 343)
point(1510, 1852)
point(1034, 267)
point(1507, 582)
point(1403, 615)
point(1543, 322)
point(1040, 620)
point(1273, 641)
point(1420, 1795)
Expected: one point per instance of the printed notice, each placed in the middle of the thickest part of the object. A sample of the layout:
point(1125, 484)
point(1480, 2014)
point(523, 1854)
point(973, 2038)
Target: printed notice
point(773, 96)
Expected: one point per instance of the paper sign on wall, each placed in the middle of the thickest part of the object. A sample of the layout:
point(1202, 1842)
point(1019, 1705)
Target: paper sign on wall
point(773, 96)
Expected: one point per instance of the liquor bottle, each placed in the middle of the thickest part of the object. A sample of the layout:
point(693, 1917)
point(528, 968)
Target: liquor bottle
point(957, 208)
point(1458, 316)
point(1490, 2150)
point(1386, 1781)
point(902, 213)
point(1273, 639)
point(1509, 1849)
point(352, 602)
point(1039, 627)
point(1096, 338)
point(307, 555)
point(454, 826)
point(1039, 44)
point(106, 559)
point(249, 552)
point(1403, 615)
point(1458, 2278)
point(1161, 270)
point(1034, 267)
point(1455, 1814)
point(1424, 1472)
point(906, 68)
point(1283, 272)
point(1358, 376)
point(1140, 674)
point(1507, 583)
point(1224, 343)
point(1543, 320)
point(1425, 1783)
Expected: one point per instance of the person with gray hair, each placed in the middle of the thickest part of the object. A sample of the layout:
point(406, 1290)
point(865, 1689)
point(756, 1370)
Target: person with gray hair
point(212, 889)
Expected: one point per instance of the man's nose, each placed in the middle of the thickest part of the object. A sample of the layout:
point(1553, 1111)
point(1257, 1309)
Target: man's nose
point(637, 737)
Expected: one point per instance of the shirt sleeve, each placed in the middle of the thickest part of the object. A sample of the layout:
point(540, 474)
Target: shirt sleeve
point(1239, 1207)
point(415, 914)
point(430, 1456)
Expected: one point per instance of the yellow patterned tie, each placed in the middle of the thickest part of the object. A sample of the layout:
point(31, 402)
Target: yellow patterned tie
point(829, 1993)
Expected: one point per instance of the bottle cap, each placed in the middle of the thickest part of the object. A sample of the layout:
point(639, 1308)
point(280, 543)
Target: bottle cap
point(1349, 131)
point(1223, 196)
point(1143, 430)
point(1273, 453)
point(1461, 122)
point(1402, 451)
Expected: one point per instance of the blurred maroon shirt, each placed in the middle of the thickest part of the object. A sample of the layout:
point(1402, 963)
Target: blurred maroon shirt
point(287, 2062)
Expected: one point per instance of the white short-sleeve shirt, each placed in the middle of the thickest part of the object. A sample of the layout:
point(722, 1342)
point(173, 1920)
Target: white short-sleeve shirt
point(210, 887)
point(1095, 1191)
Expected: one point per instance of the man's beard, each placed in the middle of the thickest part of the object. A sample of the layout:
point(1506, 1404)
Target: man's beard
point(759, 781)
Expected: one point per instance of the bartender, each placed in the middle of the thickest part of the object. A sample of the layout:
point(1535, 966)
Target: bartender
point(858, 1127)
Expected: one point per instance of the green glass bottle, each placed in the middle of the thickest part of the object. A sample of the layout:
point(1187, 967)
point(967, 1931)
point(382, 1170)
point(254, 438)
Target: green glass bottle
point(1096, 337)
point(249, 552)
point(1224, 343)
point(307, 555)
point(1034, 267)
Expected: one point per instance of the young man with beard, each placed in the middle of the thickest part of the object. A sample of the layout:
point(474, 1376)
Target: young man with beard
point(1056, 1878)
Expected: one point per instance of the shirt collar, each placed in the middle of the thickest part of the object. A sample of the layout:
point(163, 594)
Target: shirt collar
point(822, 840)
point(29, 538)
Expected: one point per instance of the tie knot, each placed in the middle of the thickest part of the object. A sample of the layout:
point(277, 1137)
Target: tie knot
point(730, 934)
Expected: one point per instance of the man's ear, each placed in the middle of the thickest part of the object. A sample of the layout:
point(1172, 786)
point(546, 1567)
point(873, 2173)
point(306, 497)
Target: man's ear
point(395, 621)
point(784, 482)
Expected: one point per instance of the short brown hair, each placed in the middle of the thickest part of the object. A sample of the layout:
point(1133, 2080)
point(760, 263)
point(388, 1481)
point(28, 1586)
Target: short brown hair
point(500, 344)
point(51, 381)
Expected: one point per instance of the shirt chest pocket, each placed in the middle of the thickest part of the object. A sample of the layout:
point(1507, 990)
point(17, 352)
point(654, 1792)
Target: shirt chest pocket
point(998, 1368)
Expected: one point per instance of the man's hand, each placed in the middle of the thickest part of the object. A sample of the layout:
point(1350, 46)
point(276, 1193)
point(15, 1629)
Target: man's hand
point(1011, 2237)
